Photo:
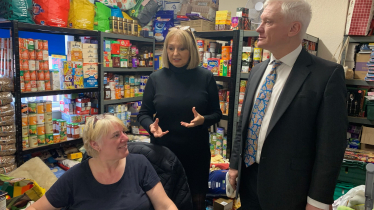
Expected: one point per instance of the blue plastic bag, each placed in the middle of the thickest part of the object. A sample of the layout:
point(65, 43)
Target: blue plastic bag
point(116, 12)
point(217, 182)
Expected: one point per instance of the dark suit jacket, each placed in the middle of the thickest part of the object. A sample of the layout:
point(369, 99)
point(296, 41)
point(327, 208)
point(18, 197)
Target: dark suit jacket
point(306, 138)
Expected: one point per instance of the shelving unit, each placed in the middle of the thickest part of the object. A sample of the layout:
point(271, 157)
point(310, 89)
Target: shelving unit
point(360, 120)
point(358, 82)
point(144, 70)
point(69, 142)
point(58, 92)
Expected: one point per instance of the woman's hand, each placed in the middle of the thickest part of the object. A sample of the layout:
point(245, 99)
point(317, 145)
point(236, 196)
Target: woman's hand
point(156, 130)
point(198, 120)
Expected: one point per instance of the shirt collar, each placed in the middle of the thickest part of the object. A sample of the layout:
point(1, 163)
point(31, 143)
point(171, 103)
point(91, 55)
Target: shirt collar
point(290, 58)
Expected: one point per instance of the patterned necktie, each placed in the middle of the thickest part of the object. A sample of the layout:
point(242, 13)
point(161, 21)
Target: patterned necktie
point(257, 115)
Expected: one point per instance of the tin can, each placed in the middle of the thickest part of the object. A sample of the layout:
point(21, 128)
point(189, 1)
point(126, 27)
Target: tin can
point(47, 76)
point(132, 95)
point(32, 75)
point(41, 140)
point(63, 126)
point(25, 131)
point(40, 108)
point(26, 75)
point(49, 127)
point(123, 116)
point(132, 80)
point(127, 93)
point(32, 55)
point(40, 130)
point(24, 54)
point(48, 117)
point(47, 84)
point(32, 130)
point(45, 55)
point(32, 107)
point(40, 119)
point(48, 107)
point(38, 44)
point(27, 86)
point(46, 65)
point(32, 119)
point(56, 138)
point(31, 45)
point(40, 75)
point(24, 120)
point(25, 142)
point(40, 85)
point(49, 138)
point(127, 87)
point(33, 86)
point(33, 141)
point(39, 54)
point(32, 65)
point(21, 43)
point(45, 44)
point(39, 65)
point(25, 64)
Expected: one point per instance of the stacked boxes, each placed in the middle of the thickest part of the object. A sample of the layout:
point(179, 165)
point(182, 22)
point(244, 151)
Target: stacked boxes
point(90, 66)
point(223, 20)
point(218, 143)
point(34, 65)
point(241, 21)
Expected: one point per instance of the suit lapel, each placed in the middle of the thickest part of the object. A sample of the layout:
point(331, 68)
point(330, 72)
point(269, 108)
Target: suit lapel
point(253, 84)
point(298, 74)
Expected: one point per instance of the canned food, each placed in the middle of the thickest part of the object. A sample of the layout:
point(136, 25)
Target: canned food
point(127, 93)
point(40, 75)
point(132, 80)
point(31, 55)
point(48, 107)
point(39, 54)
point(132, 95)
point(40, 85)
point(39, 65)
point(25, 142)
point(46, 75)
point(32, 65)
point(32, 130)
point(40, 130)
point(45, 44)
point(40, 108)
point(31, 45)
point(27, 86)
point(45, 55)
point(33, 86)
point(25, 131)
point(32, 119)
point(49, 138)
point(24, 64)
point(56, 138)
point(48, 117)
point(40, 119)
point(41, 140)
point(49, 127)
point(24, 54)
point(24, 120)
point(47, 84)
point(26, 75)
point(46, 65)
point(32, 75)
point(21, 43)
point(33, 141)
point(38, 44)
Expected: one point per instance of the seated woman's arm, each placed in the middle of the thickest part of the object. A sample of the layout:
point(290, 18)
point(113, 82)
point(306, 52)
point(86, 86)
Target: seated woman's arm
point(159, 199)
point(41, 204)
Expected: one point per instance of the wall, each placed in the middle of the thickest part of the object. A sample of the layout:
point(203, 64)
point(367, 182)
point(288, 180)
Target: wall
point(328, 22)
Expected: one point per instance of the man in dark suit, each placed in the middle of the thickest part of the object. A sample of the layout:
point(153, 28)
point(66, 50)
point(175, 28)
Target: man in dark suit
point(291, 135)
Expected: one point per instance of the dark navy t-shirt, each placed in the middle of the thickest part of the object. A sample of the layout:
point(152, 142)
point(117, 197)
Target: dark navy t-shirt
point(78, 188)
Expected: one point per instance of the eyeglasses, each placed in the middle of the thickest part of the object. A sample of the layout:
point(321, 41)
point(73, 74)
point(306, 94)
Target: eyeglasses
point(185, 28)
point(99, 117)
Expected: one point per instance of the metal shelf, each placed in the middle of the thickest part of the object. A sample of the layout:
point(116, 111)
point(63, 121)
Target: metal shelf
point(141, 69)
point(358, 82)
point(311, 38)
point(225, 117)
point(124, 100)
point(58, 92)
point(52, 146)
point(121, 36)
point(222, 78)
point(361, 38)
point(244, 76)
point(250, 33)
point(48, 29)
point(216, 35)
point(360, 120)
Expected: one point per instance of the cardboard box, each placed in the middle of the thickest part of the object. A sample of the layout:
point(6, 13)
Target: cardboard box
point(367, 136)
point(222, 204)
point(75, 155)
point(74, 46)
point(360, 75)
point(89, 46)
point(90, 60)
point(90, 74)
point(186, 8)
point(361, 66)
point(89, 51)
point(75, 56)
point(90, 56)
point(362, 57)
point(199, 25)
point(55, 80)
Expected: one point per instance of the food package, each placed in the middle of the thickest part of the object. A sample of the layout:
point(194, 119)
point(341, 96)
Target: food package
point(7, 120)
point(10, 139)
point(5, 98)
point(7, 130)
point(143, 13)
point(5, 170)
point(20, 10)
point(6, 84)
point(6, 110)
point(116, 12)
point(161, 28)
point(126, 4)
point(102, 17)
point(109, 3)
point(81, 15)
point(7, 161)
point(51, 12)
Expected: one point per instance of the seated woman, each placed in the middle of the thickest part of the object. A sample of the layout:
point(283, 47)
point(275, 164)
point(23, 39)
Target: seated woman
point(112, 179)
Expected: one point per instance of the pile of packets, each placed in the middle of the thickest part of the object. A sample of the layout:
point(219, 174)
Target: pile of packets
point(359, 155)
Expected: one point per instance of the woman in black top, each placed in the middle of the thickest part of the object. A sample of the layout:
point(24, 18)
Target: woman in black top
point(184, 98)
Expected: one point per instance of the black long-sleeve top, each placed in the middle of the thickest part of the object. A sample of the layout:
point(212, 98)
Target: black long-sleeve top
point(171, 93)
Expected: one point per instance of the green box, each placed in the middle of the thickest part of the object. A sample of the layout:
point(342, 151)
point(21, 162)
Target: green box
point(370, 110)
point(353, 172)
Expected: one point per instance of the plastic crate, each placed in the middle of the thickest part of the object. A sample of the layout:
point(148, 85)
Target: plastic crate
point(353, 172)
point(342, 188)
point(370, 110)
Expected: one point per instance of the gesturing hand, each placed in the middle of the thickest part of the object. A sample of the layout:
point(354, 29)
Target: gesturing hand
point(198, 120)
point(156, 130)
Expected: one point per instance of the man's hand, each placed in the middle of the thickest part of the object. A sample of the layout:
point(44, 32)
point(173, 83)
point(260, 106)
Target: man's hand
point(198, 120)
point(233, 174)
point(310, 207)
point(156, 130)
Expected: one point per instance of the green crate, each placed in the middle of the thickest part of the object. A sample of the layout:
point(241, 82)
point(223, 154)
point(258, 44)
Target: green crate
point(353, 171)
point(370, 110)
point(342, 188)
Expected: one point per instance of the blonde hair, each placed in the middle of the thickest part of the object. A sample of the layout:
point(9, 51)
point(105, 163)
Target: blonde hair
point(188, 41)
point(94, 131)
point(296, 10)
